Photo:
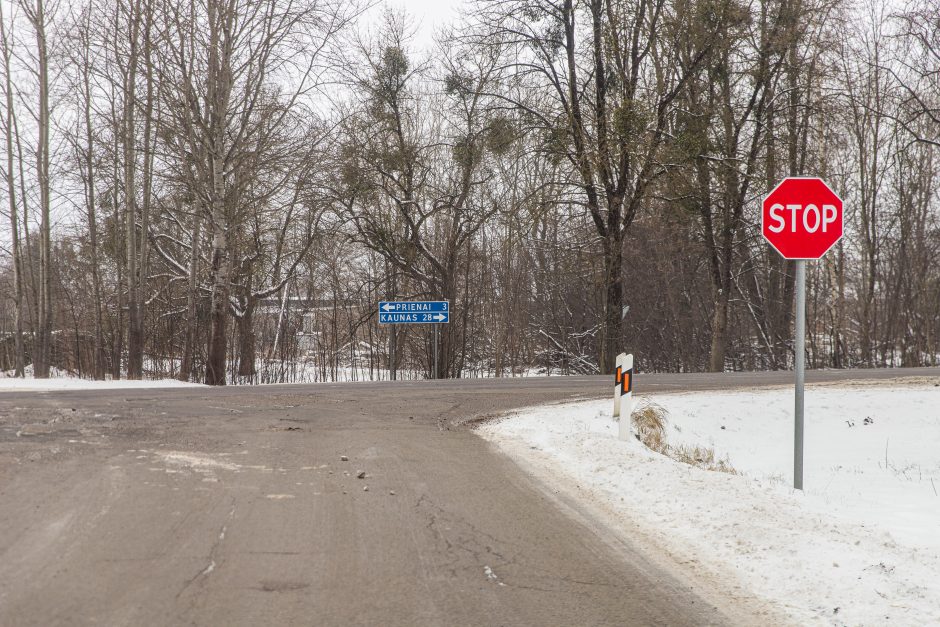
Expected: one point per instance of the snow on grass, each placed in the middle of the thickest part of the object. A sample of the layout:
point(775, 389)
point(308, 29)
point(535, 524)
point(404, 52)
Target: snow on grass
point(61, 380)
point(861, 544)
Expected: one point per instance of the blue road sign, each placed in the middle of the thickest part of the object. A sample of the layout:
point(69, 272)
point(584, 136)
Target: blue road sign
point(414, 312)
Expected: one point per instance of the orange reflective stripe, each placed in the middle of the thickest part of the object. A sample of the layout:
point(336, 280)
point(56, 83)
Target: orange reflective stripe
point(619, 378)
point(626, 385)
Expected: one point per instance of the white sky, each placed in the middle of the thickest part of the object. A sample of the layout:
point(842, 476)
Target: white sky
point(431, 15)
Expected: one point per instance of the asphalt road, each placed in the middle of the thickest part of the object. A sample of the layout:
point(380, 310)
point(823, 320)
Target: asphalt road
point(196, 506)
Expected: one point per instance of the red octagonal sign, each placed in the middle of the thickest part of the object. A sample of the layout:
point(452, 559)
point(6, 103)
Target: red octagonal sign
point(802, 218)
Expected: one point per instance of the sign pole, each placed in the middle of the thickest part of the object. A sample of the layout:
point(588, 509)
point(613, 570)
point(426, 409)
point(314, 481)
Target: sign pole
point(799, 349)
point(434, 369)
point(391, 353)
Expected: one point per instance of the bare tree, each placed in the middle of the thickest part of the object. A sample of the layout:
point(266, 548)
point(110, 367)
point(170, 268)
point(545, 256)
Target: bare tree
point(224, 113)
point(919, 56)
point(722, 134)
point(421, 151)
point(38, 18)
point(8, 124)
point(82, 59)
point(605, 96)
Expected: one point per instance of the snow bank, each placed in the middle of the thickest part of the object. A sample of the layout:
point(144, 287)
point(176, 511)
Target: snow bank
point(61, 380)
point(861, 545)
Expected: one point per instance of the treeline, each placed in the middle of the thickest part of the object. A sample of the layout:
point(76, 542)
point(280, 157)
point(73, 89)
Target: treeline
point(222, 190)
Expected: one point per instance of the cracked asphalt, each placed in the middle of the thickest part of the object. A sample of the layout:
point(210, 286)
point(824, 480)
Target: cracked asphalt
point(195, 506)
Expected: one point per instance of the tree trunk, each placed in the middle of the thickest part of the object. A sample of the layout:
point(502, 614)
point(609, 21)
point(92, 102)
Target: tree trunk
point(446, 333)
point(44, 354)
point(218, 92)
point(134, 326)
point(392, 334)
point(32, 305)
point(19, 357)
point(189, 343)
point(246, 341)
point(143, 267)
point(98, 348)
point(117, 338)
point(612, 344)
point(719, 348)
point(218, 312)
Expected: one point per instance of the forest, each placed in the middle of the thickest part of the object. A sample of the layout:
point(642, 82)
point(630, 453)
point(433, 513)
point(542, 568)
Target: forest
point(222, 191)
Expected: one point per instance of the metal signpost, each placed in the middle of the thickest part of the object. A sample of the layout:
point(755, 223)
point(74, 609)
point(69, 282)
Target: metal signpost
point(802, 219)
point(433, 312)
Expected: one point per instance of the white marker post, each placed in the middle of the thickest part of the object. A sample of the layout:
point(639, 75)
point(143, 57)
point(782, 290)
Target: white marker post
point(623, 394)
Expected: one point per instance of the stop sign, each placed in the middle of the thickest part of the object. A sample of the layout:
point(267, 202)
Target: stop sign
point(802, 218)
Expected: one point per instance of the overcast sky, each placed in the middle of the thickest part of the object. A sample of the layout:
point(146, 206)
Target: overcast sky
point(430, 14)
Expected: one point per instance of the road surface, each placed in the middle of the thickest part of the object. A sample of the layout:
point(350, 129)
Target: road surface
point(196, 506)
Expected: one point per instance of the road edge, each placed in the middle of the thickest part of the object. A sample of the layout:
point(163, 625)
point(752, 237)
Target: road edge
point(626, 535)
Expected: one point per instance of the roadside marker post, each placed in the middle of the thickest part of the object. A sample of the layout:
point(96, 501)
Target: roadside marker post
point(618, 370)
point(433, 312)
point(623, 394)
point(802, 218)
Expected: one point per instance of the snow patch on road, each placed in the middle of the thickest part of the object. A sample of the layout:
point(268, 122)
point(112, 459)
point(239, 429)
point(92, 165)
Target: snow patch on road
point(492, 576)
point(861, 545)
point(195, 461)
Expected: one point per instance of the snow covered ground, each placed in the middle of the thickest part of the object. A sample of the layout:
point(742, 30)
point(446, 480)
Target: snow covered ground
point(60, 380)
point(279, 375)
point(861, 544)
point(308, 372)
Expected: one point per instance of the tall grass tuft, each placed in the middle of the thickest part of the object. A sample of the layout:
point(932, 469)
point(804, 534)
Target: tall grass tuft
point(701, 457)
point(649, 423)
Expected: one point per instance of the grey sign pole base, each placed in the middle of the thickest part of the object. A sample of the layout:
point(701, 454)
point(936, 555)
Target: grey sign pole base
point(799, 365)
point(434, 369)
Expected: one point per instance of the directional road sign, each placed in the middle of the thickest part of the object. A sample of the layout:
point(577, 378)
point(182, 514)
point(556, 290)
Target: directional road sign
point(414, 312)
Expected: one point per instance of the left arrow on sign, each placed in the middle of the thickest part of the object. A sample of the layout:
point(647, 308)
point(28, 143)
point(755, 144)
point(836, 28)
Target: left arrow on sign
point(388, 307)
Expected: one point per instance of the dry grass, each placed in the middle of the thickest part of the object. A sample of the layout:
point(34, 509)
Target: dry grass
point(701, 457)
point(650, 422)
